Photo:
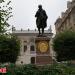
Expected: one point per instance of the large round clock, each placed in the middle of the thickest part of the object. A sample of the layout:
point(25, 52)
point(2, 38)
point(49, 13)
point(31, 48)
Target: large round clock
point(43, 46)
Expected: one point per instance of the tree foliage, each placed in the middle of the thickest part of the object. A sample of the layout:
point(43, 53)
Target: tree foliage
point(9, 45)
point(9, 48)
point(5, 14)
point(1, 1)
point(64, 45)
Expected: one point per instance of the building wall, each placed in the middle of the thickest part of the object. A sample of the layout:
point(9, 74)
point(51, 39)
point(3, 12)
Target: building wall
point(67, 19)
point(27, 39)
point(25, 56)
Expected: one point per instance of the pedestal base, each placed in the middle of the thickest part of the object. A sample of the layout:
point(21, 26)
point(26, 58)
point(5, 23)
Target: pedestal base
point(43, 55)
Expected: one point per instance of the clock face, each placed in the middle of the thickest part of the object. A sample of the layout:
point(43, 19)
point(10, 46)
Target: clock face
point(43, 46)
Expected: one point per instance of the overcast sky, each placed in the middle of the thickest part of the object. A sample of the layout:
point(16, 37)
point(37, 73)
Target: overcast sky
point(24, 12)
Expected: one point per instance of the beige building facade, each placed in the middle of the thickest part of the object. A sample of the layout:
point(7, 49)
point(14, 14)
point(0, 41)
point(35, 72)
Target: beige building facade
point(27, 45)
point(67, 19)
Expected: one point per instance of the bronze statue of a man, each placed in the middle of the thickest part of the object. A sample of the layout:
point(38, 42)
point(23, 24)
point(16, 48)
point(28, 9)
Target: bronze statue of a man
point(41, 19)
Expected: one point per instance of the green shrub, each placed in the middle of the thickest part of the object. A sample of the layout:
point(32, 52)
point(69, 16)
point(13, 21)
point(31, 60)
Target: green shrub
point(54, 69)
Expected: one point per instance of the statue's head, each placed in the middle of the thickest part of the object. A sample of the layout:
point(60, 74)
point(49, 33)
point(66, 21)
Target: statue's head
point(40, 6)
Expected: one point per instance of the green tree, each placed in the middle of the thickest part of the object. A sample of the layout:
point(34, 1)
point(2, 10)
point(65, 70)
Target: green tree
point(9, 45)
point(1, 1)
point(5, 14)
point(64, 45)
point(9, 48)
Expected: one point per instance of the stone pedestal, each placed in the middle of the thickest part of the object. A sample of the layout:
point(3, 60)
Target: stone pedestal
point(43, 55)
